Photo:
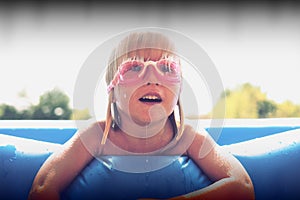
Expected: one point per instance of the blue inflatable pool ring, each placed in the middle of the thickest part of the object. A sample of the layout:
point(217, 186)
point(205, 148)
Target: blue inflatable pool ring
point(98, 180)
point(272, 162)
point(20, 159)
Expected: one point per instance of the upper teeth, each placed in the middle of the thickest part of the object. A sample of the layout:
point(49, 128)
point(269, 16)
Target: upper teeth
point(150, 97)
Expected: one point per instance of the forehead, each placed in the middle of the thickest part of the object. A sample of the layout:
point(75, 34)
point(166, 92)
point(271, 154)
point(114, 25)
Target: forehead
point(147, 54)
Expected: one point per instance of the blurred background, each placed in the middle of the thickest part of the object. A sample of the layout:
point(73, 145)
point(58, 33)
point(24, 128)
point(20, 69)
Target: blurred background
point(255, 47)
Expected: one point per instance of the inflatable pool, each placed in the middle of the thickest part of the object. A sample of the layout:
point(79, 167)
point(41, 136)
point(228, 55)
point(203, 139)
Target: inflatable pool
point(268, 149)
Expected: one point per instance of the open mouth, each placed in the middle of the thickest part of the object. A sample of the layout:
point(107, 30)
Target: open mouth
point(151, 99)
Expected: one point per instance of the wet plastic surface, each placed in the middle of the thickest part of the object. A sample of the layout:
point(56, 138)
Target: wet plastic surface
point(271, 161)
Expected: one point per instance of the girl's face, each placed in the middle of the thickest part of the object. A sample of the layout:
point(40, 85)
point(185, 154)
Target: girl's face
point(148, 91)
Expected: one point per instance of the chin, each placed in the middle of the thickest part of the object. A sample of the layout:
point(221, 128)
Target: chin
point(147, 120)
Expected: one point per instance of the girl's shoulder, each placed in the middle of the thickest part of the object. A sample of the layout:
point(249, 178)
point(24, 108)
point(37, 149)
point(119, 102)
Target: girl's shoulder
point(191, 131)
point(183, 143)
point(192, 136)
point(200, 140)
point(91, 126)
point(90, 130)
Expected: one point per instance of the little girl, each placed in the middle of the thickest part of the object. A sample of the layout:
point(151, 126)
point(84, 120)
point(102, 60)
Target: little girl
point(144, 84)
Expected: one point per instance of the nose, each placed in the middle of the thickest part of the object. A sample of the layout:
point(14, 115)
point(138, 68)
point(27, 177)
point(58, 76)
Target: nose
point(149, 83)
point(150, 74)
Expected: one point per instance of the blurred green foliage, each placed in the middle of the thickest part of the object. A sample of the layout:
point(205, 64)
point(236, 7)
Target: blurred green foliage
point(53, 105)
point(245, 101)
point(248, 101)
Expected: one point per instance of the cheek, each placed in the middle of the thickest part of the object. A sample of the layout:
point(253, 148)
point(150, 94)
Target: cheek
point(125, 99)
point(173, 95)
point(122, 98)
point(171, 104)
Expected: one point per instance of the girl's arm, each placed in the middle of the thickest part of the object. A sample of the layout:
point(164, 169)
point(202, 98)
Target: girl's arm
point(231, 181)
point(63, 166)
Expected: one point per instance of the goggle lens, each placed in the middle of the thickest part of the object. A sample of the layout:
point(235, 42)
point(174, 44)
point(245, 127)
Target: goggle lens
point(134, 71)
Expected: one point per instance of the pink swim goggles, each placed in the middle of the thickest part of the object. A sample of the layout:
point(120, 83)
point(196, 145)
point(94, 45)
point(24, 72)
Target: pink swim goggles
point(134, 71)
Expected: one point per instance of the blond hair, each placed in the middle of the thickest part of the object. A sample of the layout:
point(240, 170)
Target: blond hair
point(142, 45)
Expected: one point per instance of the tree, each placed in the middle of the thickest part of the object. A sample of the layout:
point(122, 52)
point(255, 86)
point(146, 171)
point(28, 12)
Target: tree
point(247, 101)
point(52, 105)
point(287, 109)
point(265, 108)
point(242, 102)
point(8, 112)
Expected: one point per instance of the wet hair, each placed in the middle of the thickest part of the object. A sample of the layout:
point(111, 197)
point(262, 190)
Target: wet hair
point(142, 45)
